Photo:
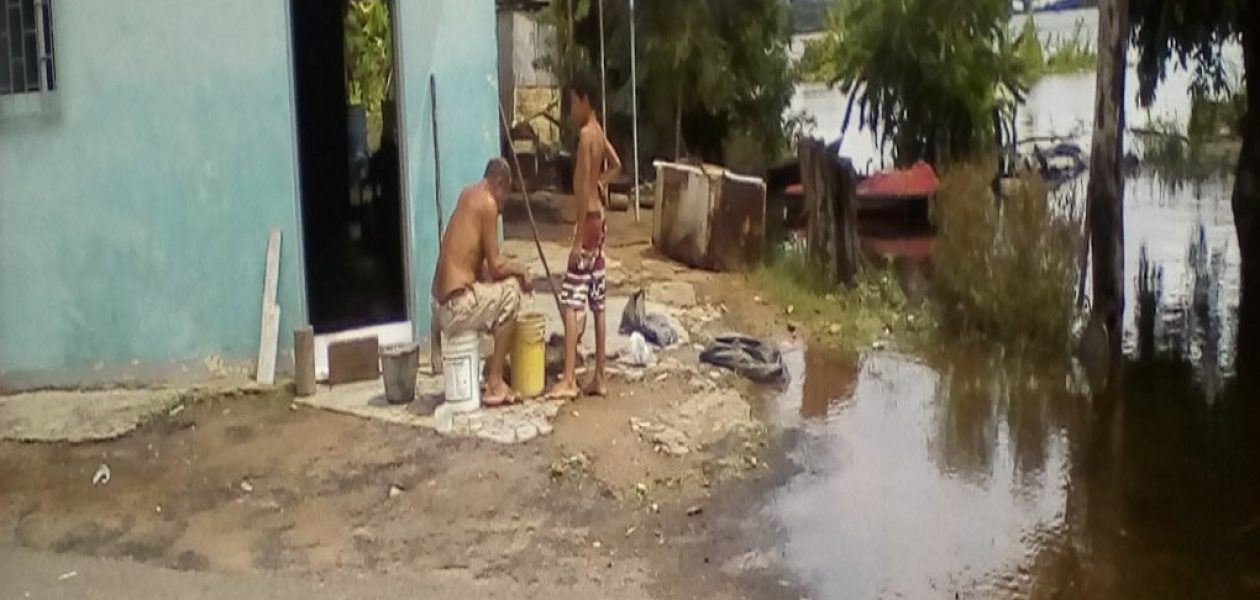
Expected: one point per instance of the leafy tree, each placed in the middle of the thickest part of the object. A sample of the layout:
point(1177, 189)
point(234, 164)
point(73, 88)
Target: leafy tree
point(707, 69)
point(367, 53)
point(930, 76)
point(1180, 31)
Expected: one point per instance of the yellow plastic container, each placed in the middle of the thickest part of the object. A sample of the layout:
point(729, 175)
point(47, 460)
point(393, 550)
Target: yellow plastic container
point(529, 361)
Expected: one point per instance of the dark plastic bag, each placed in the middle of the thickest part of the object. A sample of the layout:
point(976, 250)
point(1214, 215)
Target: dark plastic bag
point(747, 356)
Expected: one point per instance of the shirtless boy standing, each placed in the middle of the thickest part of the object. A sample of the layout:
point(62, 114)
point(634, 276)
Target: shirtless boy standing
point(597, 165)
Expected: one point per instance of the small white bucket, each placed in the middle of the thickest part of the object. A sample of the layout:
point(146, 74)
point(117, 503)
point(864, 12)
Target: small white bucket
point(461, 368)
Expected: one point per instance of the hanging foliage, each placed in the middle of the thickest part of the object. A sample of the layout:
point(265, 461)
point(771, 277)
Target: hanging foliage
point(368, 46)
point(929, 76)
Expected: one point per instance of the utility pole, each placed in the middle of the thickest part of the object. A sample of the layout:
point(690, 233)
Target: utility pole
point(634, 110)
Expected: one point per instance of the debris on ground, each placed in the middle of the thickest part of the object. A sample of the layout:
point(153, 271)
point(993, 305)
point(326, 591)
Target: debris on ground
point(514, 424)
point(67, 575)
point(575, 464)
point(102, 475)
point(664, 439)
point(747, 356)
point(654, 327)
point(639, 353)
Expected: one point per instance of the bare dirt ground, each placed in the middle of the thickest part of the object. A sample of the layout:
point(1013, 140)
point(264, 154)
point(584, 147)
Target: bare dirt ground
point(251, 496)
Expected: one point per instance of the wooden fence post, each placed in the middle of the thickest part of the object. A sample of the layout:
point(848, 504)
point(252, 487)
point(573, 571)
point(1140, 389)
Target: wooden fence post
point(830, 188)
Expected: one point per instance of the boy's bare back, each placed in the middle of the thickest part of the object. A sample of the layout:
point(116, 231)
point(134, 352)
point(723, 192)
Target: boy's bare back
point(588, 190)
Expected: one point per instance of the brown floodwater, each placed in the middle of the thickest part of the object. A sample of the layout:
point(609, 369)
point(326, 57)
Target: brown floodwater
point(971, 475)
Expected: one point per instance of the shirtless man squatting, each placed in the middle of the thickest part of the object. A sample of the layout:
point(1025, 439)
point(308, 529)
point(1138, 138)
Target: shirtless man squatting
point(475, 287)
point(597, 164)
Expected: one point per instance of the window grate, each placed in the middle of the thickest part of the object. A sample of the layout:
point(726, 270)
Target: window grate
point(26, 47)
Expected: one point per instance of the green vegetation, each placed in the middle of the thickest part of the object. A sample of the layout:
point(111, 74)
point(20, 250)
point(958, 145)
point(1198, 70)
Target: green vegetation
point(1007, 273)
point(368, 46)
point(930, 76)
point(850, 319)
point(1178, 157)
point(709, 72)
point(1164, 32)
point(1074, 55)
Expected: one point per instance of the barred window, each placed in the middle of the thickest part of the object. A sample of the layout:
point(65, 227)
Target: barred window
point(26, 47)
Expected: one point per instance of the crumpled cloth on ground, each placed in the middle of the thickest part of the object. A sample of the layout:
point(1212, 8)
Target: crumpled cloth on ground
point(655, 327)
point(747, 356)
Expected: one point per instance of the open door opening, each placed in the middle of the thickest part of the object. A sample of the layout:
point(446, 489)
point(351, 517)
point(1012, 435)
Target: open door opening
point(352, 200)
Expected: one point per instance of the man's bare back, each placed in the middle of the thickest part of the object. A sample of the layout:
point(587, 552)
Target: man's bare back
point(461, 257)
point(474, 287)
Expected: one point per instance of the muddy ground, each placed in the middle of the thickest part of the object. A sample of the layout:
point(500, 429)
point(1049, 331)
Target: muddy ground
point(251, 494)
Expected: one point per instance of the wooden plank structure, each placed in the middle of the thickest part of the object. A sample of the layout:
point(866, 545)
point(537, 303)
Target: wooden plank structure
point(269, 335)
point(831, 234)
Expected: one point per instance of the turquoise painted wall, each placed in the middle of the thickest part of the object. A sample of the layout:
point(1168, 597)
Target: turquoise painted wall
point(133, 220)
point(455, 40)
point(133, 223)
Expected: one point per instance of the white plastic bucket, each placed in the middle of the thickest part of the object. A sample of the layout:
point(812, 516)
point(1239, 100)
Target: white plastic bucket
point(461, 368)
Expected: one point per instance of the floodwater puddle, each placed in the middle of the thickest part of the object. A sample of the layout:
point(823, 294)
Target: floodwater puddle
point(975, 475)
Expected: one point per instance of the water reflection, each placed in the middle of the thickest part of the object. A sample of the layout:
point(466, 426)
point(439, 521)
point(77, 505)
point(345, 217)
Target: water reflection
point(985, 476)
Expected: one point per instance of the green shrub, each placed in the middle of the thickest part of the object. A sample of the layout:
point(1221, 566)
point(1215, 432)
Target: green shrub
point(1008, 273)
point(846, 318)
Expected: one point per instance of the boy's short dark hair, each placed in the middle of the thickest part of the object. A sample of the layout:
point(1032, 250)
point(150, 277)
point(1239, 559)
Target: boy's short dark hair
point(584, 86)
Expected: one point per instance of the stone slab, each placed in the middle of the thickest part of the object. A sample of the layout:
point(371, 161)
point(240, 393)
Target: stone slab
point(507, 425)
point(80, 416)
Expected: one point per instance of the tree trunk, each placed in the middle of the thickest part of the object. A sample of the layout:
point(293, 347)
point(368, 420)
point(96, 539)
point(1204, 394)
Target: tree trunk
point(1106, 179)
point(1246, 200)
point(830, 206)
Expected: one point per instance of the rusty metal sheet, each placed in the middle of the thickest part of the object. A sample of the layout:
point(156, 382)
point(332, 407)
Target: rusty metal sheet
point(708, 218)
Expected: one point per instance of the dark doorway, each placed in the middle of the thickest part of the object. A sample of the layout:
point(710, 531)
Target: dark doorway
point(350, 164)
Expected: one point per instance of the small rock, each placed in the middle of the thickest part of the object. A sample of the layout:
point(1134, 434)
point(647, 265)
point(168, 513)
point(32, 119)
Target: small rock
point(363, 534)
point(102, 475)
point(655, 507)
point(834, 329)
point(526, 432)
point(498, 435)
point(879, 345)
point(67, 575)
point(396, 490)
point(661, 377)
point(176, 410)
point(790, 309)
point(792, 327)
point(545, 428)
point(631, 530)
point(246, 486)
point(695, 510)
point(597, 545)
point(640, 488)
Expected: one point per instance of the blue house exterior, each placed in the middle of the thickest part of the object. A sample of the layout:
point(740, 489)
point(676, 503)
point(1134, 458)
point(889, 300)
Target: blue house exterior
point(136, 197)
